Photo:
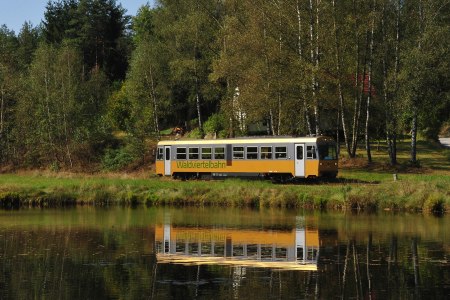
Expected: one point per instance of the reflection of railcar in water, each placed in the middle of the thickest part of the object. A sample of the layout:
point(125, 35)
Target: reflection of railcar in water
point(278, 158)
point(296, 249)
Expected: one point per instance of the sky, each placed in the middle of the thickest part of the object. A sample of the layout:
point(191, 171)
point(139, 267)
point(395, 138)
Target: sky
point(13, 13)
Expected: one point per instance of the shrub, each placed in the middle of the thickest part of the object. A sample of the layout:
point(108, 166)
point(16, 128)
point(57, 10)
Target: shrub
point(435, 202)
point(195, 134)
point(115, 159)
point(9, 200)
point(214, 124)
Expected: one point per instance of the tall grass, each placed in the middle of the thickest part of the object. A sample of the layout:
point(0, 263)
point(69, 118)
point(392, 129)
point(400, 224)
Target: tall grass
point(411, 192)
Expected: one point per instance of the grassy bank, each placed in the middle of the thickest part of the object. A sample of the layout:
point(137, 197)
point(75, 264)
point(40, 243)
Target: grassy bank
point(359, 186)
point(415, 192)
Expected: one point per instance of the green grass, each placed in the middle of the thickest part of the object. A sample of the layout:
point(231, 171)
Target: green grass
point(411, 192)
point(360, 186)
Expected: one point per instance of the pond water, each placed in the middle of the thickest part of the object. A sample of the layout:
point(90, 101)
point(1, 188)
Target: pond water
point(205, 253)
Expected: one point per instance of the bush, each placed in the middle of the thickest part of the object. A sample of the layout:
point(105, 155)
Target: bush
point(435, 202)
point(115, 159)
point(9, 200)
point(195, 134)
point(214, 124)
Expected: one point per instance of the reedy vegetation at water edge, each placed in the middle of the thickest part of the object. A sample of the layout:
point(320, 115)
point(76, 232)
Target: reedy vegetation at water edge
point(411, 193)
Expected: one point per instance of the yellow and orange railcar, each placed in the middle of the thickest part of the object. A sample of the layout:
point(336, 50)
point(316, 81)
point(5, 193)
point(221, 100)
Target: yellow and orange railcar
point(278, 158)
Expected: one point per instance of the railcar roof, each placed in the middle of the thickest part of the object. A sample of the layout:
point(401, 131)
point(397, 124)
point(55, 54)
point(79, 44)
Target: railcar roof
point(250, 140)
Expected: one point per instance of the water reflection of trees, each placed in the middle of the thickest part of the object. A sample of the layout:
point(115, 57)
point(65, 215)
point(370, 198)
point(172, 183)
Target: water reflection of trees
point(379, 268)
point(120, 263)
point(75, 264)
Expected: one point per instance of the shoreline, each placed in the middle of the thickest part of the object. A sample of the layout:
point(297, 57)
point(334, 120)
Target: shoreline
point(411, 193)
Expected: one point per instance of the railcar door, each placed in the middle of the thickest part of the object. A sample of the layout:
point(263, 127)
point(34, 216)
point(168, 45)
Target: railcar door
point(167, 160)
point(299, 160)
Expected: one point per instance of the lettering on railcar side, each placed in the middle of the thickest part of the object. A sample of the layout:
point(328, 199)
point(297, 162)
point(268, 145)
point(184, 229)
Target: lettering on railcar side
point(201, 164)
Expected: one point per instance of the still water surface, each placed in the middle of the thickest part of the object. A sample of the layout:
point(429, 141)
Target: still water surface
point(215, 253)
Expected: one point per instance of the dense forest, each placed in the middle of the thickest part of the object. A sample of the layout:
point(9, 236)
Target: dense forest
point(93, 86)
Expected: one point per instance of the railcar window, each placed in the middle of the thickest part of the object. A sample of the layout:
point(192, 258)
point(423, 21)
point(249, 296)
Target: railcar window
point(252, 152)
point(238, 152)
point(280, 152)
point(219, 153)
point(181, 153)
point(299, 152)
point(266, 152)
point(206, 153)
point(327, 152)
point(311, 152)
point(160, 154)
point(193, 153)
point(167, 153)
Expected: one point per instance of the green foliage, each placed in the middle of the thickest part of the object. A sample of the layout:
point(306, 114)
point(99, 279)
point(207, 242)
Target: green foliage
point(214, 124)
point(97, 27)
point(66, 85)
point(195, 134)
point(435, 203)
point(143, 24)
point(119, 110)
point(116, 159)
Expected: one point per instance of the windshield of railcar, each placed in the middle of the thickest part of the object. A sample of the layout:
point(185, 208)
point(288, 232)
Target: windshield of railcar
point(327, 152)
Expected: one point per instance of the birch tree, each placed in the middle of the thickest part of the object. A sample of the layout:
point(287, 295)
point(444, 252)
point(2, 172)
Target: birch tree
point(143, 86)
point(423, 83)
point(369, 81)
point(190, 39)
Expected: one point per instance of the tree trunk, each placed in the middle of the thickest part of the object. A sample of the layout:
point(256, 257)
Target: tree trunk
point(344, 275)
point(356, 271)
point(300, 53)
point(392, 259)
point(231, 107)
point(66, 131)
point(47, 107)
point(272, 128)
point(388, 107)
point(197, 86)
point(369, 96)
point(369, 281)
point(397, 71)
point(416, 96)
point(415, 261)
point(316, 86)
point(279, 115)
point(315, 61)
point(280, 49)
point(2, 108)
point(308, 122)
point(339, 75)
point(299, 37)
point(338, 141)
point(266, 59)
point(197, 100)
point(357, 102)
point(414, 136)
point(66, 137)
point(155, 104)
